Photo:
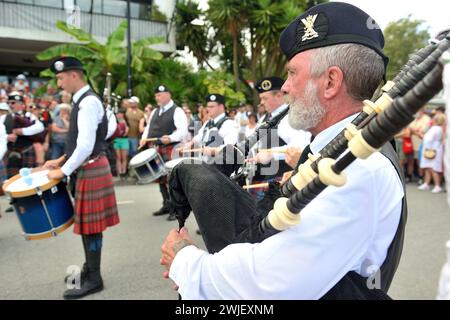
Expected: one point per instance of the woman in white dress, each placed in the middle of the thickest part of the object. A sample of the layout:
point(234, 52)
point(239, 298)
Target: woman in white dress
point(433, 166)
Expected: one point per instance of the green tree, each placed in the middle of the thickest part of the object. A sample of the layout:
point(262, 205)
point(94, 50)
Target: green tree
point(245, 36)
point(402, 38)
point(99, 59)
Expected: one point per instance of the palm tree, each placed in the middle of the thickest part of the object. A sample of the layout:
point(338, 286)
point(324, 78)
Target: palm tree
point(99, 59)
point(230, 16)
point(195, 35)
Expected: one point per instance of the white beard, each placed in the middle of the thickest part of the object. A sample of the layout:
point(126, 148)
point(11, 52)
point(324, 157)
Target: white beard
point(305, 112)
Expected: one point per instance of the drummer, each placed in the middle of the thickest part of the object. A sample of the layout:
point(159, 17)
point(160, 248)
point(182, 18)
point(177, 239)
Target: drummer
point(215, 133)
point(95, 205)
point(168, 123)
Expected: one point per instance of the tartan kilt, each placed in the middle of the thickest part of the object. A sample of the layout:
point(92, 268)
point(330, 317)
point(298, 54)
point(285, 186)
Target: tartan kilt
point(28, 161)
point(165, 151)
point(95, 199)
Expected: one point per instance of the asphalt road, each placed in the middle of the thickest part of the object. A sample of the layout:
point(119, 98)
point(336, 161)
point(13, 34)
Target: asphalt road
point(130, 259)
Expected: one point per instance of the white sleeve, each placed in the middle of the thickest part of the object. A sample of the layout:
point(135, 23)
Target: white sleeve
point(35, 128)
point(112, 123)
point(3, 141)
point(147, 127)
point(335, 236)
point(229, 133)
point(181, 124)
point(87, 129)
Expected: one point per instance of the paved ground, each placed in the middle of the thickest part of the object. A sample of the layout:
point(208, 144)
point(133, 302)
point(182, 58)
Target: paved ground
point(131, 270)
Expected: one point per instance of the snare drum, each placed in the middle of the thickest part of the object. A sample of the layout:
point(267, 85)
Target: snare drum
point(148, 166)
point(187, 160)
point(43, 206)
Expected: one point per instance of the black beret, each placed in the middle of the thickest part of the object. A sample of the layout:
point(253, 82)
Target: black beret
point(161, 88)
point(15, 96)
point(269, 84)
point(66, 64)
point(329, 24)
point(215, 97)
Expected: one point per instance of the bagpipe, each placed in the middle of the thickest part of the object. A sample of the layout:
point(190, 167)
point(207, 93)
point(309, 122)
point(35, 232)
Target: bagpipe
point(381, 119)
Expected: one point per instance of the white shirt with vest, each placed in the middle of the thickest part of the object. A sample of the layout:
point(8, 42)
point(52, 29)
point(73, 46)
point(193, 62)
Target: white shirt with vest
point(179, 119)
point(90, 115)
point(227, 131)
point(344, 229)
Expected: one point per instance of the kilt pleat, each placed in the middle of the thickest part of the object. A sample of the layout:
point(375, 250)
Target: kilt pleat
point(95, 199)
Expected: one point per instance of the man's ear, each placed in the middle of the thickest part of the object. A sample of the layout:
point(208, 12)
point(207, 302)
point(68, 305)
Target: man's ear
point(334, 80)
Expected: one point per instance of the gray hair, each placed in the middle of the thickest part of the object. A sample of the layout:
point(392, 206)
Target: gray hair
point(362, 67)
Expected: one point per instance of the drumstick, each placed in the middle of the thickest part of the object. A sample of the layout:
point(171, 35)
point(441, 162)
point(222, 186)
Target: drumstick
point(274, 150)
point(148, 140)
point(191, 150)
point(257, 185)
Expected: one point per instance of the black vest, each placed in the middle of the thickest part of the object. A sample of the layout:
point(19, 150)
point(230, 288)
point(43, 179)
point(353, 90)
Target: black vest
point(22, 142)
point(354, 286)
point(214, 139)
point(162, 125)
point(100, 136)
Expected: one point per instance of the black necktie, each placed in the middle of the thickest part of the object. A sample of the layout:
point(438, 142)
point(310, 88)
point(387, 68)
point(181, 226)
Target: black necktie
point(304, 155)
point(210, 124)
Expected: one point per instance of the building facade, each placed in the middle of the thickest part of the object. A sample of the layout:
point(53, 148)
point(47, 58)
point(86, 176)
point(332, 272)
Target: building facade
point(28, 27)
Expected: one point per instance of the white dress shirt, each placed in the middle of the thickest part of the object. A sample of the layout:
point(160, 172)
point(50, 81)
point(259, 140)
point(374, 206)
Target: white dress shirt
point(35, 128)
point(112, 123)
point(343, 229)
point(179, 119)
point(227, 132)
point(90, 115)
point(3, 139)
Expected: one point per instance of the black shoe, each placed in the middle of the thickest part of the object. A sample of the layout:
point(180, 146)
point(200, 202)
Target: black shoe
point(93, 284)
point(83, 274)
point(10, 209)
point(162, 211)
point(172, 217)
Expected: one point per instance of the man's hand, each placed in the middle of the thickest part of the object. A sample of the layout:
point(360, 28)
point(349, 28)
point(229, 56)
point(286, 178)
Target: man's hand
point(56, 174)
point(165, 140)
point(54, 164)
point(17, 131)
point(210, 152)
point(286, 176)
point(292, 156)
point(175, 241)
point(262, 157)
point(12, 137)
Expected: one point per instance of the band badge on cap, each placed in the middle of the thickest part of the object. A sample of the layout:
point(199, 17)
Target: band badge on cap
point(161, 88)
point(310, 33)
point(213, 98)
point(266, 85)
point(59, 66)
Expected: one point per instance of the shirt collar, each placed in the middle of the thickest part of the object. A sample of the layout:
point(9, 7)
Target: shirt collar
point(278, 110)
point(79, 93)
point(324, 137)
point(167, 106)
point(219, 117)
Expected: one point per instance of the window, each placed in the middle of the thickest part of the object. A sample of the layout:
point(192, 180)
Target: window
point(115, 8)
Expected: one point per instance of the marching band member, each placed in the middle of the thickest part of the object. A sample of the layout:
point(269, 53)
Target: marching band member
point(21, 127)
point(167, 123)
point(95, 200)
point(346, 234)
point(215, 133)
point(272, 165)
